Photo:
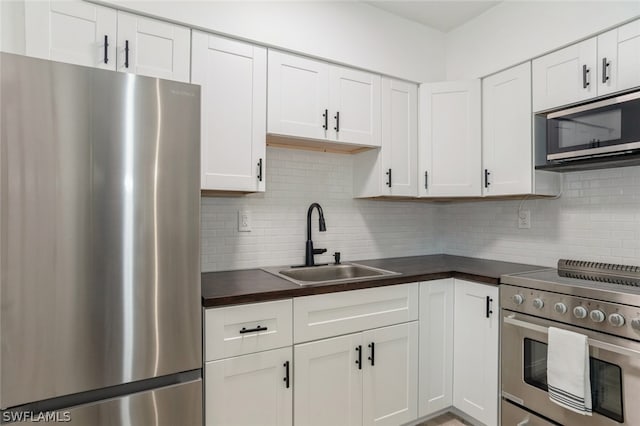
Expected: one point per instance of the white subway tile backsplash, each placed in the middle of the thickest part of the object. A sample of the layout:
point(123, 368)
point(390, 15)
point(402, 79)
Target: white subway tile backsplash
point(358, 229)
point(597, 218)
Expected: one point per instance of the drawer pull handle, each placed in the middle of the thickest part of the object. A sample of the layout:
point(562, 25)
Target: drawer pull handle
point(372, 358)
point(359, 360)
point(252, 330)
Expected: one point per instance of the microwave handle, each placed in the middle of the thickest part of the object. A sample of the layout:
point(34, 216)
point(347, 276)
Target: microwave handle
point(511, 320)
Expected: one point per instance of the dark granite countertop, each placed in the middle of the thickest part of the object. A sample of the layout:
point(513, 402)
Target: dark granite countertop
point(256, 285)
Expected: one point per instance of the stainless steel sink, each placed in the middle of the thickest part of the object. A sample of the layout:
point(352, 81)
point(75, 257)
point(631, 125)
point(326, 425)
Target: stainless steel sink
point(328, 273)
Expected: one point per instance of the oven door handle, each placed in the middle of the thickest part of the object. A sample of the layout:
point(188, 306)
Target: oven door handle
point(510, 319)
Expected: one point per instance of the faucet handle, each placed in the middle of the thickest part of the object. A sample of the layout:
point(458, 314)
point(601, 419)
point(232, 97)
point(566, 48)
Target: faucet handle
point(336, 256)
point(319, 251)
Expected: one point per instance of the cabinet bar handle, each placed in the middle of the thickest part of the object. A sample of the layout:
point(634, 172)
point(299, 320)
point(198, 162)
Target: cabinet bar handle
point(489, 311)
point(486, 178)
point(106, 47)
point(286, 374)
point(326, 119)
point(585, 80)
point(337, 117)
point(252, 330)
point(372, 358)
point(426, 179)
point(389, 181)
point(126, 53)
point(260, 170)
point(605, 66)
point(359, 360)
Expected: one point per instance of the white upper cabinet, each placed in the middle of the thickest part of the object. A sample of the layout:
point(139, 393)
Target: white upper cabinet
point(354, 101)
point(233, 76)
point(315, 100)
point(565, 76)
point(75, 32)
point(153, 48)
point(400, 137)
point(619, 59)
point(83, 33)
point(392, 171)
point(506, 132)
point(298, 96)
point(449, 147)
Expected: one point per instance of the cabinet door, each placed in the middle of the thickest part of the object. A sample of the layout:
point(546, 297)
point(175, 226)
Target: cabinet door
point(153, 48)
point(250, 390)
point(619, 59)
point(565, 76)
point(475, 358)
point(233, 79)
point(298, 96)
point(328, 382)
point(450, 139)
point(436, 346)
point(354, 106)
point(71, 31)
point(506, 132)
point(399, 138)
point(390, 379)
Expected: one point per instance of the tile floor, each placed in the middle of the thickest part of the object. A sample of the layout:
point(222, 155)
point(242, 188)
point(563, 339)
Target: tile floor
point(447, 419)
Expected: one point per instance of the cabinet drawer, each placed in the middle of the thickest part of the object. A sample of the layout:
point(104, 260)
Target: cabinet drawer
point(244, 329)
point(321, 316)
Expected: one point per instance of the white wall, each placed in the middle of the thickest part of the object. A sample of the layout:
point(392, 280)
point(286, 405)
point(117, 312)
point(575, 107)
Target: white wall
point(359, 229)
point(597, 218)
point(515, 31)
point(352, 33)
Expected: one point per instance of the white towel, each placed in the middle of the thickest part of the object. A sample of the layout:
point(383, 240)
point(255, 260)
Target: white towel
point(568, 370)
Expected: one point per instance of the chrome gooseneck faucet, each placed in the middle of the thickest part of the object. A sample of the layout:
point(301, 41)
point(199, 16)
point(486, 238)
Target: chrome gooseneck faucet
point(310, 251)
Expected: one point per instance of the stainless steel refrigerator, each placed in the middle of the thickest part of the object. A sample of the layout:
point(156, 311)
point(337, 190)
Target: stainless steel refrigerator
point(100, 316)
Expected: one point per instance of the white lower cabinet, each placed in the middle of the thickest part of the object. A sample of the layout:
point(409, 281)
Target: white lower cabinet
point(253, 389)
point(328, 382)
point(390, 375)
point(436, 346)
point(475, 358)
point(361, 357)
point(362, 378)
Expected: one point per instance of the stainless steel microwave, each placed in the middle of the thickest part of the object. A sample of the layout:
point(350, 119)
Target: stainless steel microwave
point(605, 128)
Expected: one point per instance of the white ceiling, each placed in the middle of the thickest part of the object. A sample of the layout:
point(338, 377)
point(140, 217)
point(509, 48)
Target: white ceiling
point(441, 15)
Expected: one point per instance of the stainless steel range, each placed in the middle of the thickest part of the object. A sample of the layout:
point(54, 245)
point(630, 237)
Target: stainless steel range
point(601, 301)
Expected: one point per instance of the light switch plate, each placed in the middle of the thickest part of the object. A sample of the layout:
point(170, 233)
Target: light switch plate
point(244, 221)
point(524, 219)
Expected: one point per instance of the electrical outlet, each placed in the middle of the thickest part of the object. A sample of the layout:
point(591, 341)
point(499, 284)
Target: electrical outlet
point(244, 221)
point(524, 219)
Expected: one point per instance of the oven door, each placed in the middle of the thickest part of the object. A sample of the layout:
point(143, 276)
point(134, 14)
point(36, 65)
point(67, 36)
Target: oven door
point(614, 365)
point(602, 128)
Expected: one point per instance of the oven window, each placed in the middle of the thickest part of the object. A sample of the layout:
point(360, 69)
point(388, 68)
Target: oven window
point(606, 379)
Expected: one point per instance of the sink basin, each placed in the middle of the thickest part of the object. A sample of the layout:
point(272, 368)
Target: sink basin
point(328, 273)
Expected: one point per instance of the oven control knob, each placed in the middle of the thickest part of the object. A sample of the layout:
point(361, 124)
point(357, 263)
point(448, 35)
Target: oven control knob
point(616, 320)
point(518, 299)
point(636, 324)
point(580, 312)
point(538, 303)
point(597, 315)
point(560, 308)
